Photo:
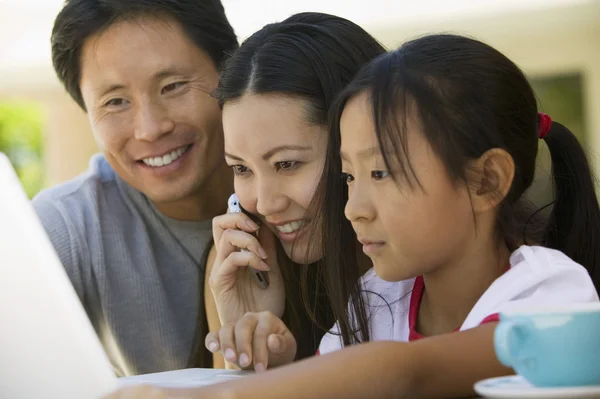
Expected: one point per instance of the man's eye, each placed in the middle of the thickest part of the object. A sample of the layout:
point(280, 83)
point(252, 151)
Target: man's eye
point(172, 86)
point(115, 102)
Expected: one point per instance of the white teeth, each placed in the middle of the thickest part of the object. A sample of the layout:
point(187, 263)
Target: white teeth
point(167, 158)
point(291, 227)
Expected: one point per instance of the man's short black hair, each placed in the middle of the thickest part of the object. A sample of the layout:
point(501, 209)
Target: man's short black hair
point(203, 20)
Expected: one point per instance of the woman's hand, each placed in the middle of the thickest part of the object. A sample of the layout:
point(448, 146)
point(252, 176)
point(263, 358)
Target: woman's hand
point(257, 340)
point(234, 289)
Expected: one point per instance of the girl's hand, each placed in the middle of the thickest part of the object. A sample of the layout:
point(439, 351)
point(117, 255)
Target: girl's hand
point(257, 340)
point(148, 392)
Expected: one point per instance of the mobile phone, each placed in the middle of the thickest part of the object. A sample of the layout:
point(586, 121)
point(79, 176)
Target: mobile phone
point(261, 277)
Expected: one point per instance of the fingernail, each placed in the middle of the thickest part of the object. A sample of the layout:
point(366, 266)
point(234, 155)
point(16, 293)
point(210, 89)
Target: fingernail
point(264, 265)
point(244, 360)
point(251, 224)
point(262, 253)
point(259, 367)
point(230, 355)
point(213, 347)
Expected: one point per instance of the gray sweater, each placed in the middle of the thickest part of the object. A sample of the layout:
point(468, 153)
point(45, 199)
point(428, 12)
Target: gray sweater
point(139, 274)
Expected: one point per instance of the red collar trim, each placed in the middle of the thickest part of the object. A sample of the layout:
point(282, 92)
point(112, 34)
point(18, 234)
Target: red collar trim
point(415, 302)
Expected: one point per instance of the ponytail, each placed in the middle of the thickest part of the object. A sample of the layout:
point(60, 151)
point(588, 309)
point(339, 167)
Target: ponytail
point(574, 223)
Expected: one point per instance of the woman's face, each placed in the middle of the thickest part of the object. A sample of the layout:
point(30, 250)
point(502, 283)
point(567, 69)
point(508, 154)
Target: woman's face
point(277, 157)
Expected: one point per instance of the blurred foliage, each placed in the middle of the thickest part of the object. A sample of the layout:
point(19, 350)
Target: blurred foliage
point(21, 139)
point(561, 97)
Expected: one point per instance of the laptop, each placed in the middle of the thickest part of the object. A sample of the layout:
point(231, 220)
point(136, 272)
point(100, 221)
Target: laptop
point(48, 347)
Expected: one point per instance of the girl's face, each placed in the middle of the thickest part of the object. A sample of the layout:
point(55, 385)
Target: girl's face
point(277, 157)
point(406, 231)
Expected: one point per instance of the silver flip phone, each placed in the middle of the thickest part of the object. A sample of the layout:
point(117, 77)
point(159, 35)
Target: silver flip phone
point(261, 277)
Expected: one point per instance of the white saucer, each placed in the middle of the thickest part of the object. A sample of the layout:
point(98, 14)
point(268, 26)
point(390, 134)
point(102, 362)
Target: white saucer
point(515, 386)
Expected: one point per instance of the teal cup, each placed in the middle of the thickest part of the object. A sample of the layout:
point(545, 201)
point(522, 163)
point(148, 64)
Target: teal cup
point(552, 347)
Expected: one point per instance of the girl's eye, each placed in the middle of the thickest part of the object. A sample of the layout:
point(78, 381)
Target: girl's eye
point(286, 165)
point(172, 86)
point(347, 177)
point(240, 170)
point(379, 174)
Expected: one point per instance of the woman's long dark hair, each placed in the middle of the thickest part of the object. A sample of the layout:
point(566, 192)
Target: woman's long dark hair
point(312, 56)
point(470, 98)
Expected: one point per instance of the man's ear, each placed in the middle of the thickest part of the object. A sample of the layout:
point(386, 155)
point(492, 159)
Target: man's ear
point(490, 178)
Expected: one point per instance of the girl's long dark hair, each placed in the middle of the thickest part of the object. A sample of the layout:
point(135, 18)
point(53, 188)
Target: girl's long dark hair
point(470, 98)
point(312, 56)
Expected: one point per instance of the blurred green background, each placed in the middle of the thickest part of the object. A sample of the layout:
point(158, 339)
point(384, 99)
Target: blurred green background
point(21, 139)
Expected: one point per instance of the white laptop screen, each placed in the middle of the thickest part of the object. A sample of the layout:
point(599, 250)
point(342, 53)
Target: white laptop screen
point(47, 344)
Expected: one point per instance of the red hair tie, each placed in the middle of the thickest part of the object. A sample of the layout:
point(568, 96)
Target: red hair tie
point(544, 125)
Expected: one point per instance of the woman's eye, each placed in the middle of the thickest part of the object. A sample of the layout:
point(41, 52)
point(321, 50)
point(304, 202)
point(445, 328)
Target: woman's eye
point(172, 86)
point(240, 170)
point(347, 177)
point(286, 165)
point(379, 174)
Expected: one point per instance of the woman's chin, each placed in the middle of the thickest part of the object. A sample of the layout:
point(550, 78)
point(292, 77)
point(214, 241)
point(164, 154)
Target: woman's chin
point(300, 256)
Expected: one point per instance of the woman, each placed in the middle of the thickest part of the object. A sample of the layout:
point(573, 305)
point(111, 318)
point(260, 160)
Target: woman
point(276, 91)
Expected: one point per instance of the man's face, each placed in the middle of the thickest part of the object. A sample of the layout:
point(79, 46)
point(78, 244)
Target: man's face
point(146, 88)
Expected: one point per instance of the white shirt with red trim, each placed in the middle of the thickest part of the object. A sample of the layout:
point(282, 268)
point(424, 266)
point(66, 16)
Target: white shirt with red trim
point(537, 276)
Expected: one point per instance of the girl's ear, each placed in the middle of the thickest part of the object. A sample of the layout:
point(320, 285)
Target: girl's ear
point(490, 178)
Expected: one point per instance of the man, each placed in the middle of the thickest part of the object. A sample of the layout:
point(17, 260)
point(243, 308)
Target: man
point(134, 230)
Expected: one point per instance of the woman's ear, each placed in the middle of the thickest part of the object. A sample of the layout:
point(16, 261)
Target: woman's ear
point(490, 179)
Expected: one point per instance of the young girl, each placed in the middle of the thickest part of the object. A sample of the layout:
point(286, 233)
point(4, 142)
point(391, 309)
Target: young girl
point(438, 145)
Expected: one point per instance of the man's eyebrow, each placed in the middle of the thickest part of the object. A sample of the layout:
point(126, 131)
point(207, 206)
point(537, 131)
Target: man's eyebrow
point(106, 90)
point(163, 73)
